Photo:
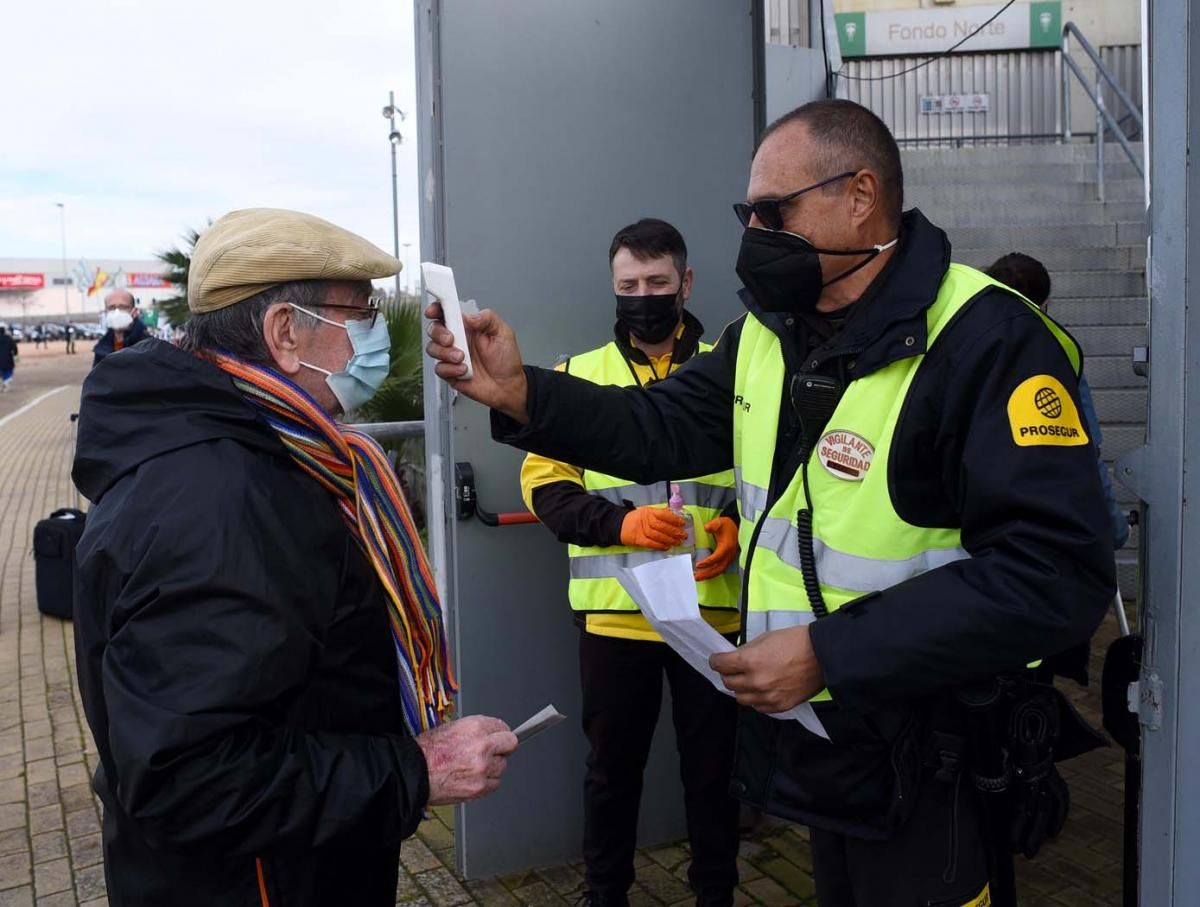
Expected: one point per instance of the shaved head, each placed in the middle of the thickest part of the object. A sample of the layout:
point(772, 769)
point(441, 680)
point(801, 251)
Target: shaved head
point(119, 298)
point(838, 136)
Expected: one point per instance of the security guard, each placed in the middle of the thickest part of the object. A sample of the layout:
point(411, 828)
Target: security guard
point(610, 522)
point(920, 504)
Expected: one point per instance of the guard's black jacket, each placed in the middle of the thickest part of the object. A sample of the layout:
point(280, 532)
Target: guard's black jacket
point(1041, 570)
point(234, 656)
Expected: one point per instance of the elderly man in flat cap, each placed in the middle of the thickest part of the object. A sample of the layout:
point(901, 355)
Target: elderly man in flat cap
point(259, 642)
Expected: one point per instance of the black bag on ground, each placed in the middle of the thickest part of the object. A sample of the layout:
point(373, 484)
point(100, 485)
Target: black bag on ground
point(54, 541)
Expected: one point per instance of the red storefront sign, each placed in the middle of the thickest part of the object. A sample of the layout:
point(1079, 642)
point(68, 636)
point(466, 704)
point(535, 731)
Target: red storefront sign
point(145, 280)
point(22, 281)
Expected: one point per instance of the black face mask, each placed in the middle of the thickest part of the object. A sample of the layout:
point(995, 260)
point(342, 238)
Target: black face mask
point(782, 271)
point(649, 318)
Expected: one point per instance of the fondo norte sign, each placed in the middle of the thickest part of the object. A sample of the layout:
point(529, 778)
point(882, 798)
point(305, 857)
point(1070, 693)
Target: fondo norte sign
point(890, 33)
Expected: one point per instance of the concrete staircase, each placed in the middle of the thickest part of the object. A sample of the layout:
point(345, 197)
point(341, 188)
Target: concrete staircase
point(1041, 200)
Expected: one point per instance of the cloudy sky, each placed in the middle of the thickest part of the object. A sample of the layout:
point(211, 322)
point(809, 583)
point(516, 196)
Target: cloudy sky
point(147, 117)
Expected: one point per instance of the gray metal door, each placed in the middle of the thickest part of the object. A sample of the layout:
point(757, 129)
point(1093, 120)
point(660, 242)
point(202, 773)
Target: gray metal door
point(545, 126)
point(1164, 474)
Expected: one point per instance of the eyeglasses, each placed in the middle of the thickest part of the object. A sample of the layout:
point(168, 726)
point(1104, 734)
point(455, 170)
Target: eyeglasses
point(770, 210)
point(371, 308)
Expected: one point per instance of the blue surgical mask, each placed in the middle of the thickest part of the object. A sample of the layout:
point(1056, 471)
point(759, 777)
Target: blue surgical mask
point(369, 363)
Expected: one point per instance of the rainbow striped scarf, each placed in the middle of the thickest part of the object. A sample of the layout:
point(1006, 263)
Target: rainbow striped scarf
point(353, 468)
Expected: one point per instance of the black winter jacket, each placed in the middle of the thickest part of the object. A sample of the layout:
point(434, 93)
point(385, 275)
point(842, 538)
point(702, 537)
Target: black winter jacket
point(1041, 570)
point(8, 353)
point(234, 656)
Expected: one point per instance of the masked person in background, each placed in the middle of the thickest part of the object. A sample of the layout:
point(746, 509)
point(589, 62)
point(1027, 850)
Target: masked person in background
point(608, 523)
point(259, 643)
point(122, 324)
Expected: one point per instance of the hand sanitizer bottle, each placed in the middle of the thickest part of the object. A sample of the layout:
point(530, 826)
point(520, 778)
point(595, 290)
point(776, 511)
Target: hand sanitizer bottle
point(688, 545)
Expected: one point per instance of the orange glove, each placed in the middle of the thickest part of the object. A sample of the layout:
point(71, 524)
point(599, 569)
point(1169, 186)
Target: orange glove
point(725, 532)
point(652, 527)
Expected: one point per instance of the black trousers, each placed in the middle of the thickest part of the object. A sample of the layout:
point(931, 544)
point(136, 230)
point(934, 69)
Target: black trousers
point(622, 690)
point(936, 859)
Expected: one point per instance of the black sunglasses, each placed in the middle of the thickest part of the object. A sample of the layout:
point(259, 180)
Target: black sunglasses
point(371, 308)
point(770, 210)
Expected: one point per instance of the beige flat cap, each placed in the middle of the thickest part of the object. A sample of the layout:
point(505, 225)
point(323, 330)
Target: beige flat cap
point(248, 251)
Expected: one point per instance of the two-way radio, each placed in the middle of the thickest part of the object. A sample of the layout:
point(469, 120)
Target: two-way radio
point(814, 398)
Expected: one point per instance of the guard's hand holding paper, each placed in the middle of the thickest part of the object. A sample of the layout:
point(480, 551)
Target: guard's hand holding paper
point(772, 673)
point(665, 591)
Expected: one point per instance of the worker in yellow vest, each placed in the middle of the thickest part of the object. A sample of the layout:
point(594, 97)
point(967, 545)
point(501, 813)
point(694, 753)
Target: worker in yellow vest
point(608, 523)
point(920, 508)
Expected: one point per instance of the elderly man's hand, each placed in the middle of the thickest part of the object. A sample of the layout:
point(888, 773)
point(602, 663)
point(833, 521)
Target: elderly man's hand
point(499, 375)
point(466, 758)
point(773, 672)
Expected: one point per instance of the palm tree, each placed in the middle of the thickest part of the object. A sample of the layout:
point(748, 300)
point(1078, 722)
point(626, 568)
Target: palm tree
point(178, 261)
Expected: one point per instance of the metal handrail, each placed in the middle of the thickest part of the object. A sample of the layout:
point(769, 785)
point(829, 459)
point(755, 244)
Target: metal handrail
point(1101, 70)
point(1104, 119)
point(391, 431)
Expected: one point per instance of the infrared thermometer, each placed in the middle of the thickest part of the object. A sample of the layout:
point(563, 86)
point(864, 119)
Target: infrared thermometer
point(439, 283)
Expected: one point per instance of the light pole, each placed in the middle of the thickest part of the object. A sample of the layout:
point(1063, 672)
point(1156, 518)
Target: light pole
point(62, 210)
point(408, 282)
point(394, 139)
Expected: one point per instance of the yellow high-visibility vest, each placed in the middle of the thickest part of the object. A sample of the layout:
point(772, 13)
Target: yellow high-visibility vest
point(593, 585)
point(861, 545)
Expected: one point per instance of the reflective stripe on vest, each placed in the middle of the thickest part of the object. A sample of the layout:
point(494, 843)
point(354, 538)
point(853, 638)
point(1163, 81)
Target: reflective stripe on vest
point(860, 544)
point(701, 494)
point(603, 566)
point(849, 571)
point(752, 499)
point(593, 585)
point(760, 622)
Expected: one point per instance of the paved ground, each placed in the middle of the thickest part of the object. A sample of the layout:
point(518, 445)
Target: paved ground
point(39, 370)
point(49, 819)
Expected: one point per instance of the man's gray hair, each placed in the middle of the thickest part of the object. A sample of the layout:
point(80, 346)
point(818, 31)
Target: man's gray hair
point(238, 329)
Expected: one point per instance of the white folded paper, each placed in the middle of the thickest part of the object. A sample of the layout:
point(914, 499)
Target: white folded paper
point(665, 590)
point(546, 718)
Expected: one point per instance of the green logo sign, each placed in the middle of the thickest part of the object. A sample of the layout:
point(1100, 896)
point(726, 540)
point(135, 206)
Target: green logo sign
point(852, 33)
point(1045, 23)
point(936, 30)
